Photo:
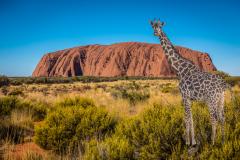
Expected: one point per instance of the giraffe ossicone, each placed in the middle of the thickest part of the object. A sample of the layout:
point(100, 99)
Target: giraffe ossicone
point(194, 84)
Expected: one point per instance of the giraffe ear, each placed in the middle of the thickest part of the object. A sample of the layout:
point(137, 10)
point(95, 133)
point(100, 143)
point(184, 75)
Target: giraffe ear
point(151, 22)
point(163, 23)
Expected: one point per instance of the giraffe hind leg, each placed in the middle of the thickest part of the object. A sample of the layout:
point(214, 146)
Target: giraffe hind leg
point(221, 116)
point(193, 141)
point(187, 131)
point(214, 123)
point(212, 105)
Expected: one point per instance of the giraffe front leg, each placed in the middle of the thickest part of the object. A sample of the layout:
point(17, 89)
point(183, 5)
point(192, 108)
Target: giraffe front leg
point(188, 122)
point(192, 130)
point(214, 123)
point(213, 131)
point(187, 126)
point(214, 117)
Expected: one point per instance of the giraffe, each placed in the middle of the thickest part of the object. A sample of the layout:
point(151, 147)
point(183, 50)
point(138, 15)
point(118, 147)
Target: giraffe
point(194, 85)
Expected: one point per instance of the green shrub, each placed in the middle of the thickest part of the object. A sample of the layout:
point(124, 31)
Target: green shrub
point(69, 127)
point(95, 122)
point(169, 88)
point(7, 104)
point(15, 92)
point(118, 148)
point(76, 101)
point(94, 150)
point(41, 80)
point(155, 134)
point(58, 129)
point(131, 92)
point(166, 89)
point(37, 109)
point(229, 150)
point(135, 96)
point(111, 148)
point(10, 103)
point(103, 86)
point(233, 80)
point(16, 82)
point(75, 78)
point(134, 86)
point(86, 87)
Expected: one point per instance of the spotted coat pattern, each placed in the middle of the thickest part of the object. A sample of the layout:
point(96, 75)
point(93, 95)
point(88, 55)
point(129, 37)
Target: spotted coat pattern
point(194, 84)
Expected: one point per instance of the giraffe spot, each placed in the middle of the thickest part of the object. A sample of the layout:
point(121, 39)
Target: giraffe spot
point(197, 88)
point(201, 80)
point(168, 47)
point(181, 61)
point(183, 65)
point(185, 71)
point(188, 82)
point(194, 77)
point(207, 82)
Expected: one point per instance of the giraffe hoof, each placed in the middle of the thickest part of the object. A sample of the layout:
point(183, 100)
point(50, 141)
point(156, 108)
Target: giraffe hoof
point(193, 149)
point(194, 145)
point(188, 144)
point(223, 141)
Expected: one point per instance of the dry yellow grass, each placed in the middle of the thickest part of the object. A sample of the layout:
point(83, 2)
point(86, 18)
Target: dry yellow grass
point(21, 118)
point(101, 94)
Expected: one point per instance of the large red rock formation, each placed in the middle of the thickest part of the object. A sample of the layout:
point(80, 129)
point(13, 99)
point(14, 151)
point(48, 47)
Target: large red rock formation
point(121, 59)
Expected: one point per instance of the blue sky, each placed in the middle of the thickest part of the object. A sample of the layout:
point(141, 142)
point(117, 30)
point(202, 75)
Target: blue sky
point(29, 29)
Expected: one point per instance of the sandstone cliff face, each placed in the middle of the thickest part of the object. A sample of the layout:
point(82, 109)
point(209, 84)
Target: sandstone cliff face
point(122, 59)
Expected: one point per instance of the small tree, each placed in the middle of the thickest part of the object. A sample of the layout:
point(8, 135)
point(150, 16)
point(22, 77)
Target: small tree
point(4, 81)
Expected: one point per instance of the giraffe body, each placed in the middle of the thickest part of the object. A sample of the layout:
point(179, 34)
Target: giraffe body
point(194, 85)
point(202, 86)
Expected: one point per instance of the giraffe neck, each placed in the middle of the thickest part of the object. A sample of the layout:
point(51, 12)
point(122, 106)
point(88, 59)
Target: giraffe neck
point(180, 65)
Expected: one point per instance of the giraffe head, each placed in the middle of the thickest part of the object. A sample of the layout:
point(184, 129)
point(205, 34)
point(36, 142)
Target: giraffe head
point(157, 26)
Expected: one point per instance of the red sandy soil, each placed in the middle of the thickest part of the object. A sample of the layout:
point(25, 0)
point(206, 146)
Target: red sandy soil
point(18, 151)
